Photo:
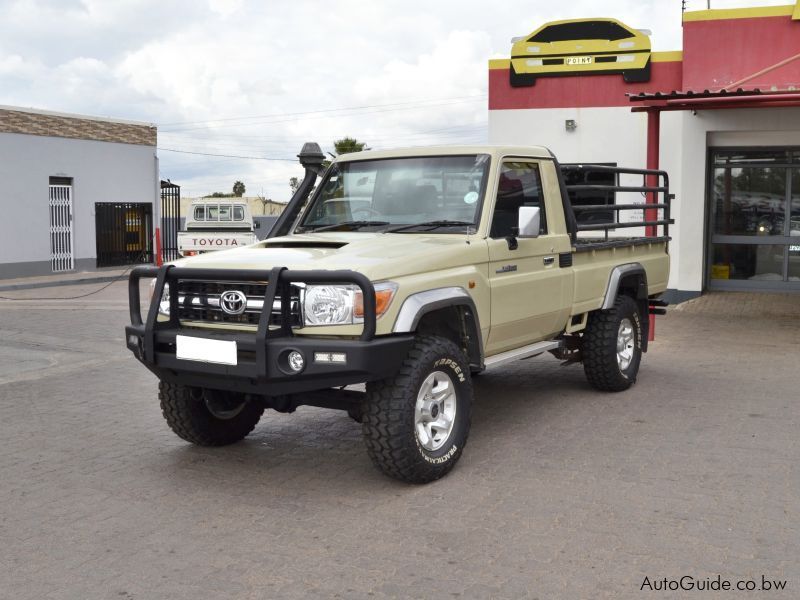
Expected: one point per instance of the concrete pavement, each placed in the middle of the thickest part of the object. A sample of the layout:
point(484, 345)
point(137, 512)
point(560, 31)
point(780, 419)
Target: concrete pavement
point(562, 492)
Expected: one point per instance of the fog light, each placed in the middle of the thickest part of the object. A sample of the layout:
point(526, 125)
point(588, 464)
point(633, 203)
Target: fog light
point(296, 361)
point(339, 358)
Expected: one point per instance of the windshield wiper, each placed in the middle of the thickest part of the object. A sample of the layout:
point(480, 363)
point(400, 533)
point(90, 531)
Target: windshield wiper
point(431, 225)
point(351, 224)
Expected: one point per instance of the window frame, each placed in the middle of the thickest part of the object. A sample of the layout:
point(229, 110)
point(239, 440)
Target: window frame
point(544, 228)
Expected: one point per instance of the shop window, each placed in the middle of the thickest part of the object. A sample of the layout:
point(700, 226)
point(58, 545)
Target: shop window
point(750, 156)
point(754, 262)
point(749, 201)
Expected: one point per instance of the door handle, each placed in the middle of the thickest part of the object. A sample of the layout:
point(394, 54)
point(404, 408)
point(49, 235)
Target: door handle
point(549, 260)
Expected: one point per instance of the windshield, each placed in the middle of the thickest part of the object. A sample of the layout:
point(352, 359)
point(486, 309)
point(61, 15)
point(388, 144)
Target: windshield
point(400, 191)
point(582, 30)
point(219, 212)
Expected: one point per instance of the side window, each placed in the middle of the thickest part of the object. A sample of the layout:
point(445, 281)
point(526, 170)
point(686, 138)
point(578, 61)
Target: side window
point(238, 213)
point(519, 185)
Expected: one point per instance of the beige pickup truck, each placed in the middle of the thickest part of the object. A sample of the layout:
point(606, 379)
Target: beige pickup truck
point(410, 271)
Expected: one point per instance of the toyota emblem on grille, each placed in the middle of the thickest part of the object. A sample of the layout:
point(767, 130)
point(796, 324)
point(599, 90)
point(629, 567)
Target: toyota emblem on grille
point(233, 302)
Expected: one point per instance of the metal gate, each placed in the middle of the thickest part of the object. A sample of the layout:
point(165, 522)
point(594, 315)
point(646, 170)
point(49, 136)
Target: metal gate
point(170, 219)
point(124, 233)
point(62, 257)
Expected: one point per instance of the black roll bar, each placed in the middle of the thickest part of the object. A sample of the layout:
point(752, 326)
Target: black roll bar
point(654, 183)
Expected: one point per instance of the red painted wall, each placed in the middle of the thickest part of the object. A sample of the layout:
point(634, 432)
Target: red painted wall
point(716, 54)
point(580, 90)
point(719, 53)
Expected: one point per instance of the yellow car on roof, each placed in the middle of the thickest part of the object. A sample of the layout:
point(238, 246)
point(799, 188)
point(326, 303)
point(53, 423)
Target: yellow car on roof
point(585, 46)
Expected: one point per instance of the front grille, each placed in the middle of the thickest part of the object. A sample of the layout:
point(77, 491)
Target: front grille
point(200, 301)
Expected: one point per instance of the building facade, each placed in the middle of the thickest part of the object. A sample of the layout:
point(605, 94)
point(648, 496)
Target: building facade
point(727, 116)
point(81, 192)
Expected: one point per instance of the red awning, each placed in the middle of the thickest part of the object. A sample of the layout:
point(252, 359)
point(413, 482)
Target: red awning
point(715, 100)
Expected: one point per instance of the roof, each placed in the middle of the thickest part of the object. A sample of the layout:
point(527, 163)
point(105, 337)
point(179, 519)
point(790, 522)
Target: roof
point(50, 113)
point(533, 151)
point(716, 99)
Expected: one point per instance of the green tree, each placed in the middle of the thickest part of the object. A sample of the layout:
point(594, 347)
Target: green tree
point(238, 189)
point(346, 145)
point(294, 183)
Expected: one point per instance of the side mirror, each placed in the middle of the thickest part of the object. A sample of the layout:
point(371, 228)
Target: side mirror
point(529, 221)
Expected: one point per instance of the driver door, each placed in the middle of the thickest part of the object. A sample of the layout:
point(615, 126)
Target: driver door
point(528, 287)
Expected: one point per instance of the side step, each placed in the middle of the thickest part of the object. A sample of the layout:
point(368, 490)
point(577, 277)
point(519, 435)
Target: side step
point(520, 353)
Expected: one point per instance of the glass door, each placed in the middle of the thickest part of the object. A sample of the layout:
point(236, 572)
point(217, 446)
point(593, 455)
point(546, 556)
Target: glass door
point(755, 219)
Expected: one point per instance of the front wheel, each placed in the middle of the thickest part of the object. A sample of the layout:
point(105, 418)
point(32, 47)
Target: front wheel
point(208, 417)
point(416, 423)
point(612, 346)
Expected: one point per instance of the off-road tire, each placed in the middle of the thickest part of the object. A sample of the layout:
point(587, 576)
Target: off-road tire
point(388, 412)
point(188, 416)
point(600, 346)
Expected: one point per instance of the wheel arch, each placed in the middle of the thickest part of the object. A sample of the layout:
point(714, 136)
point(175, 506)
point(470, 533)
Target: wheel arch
point(630, 279)
point(448, 311)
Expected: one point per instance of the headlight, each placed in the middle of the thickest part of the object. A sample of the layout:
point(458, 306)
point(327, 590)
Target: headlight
point(328, 304)
point(343, 304)
point(626, 58)
point(163, 306)
point(534, 62)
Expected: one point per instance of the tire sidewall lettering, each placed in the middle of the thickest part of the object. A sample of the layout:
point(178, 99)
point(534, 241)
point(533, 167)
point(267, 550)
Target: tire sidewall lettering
point(449, 362)
point(439, 458)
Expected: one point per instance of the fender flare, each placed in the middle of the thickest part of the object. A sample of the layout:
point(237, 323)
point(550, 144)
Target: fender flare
point(619, 273)
point(417, 305)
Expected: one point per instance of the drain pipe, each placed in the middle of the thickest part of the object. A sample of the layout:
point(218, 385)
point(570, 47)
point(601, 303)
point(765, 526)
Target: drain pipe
point(311, 158)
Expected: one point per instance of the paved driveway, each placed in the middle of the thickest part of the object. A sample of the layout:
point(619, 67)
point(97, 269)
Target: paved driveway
point(563, 492)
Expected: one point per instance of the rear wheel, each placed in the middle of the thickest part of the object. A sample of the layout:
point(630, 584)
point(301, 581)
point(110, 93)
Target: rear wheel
point(612, 346)
point(416, 423)
point(208, 417)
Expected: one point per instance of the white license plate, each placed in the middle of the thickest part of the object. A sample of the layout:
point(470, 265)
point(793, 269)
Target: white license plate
point(579, 60)
point(220, 352)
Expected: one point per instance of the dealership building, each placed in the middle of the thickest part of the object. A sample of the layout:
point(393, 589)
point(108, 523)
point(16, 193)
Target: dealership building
point(722, 117)
point(80, 192)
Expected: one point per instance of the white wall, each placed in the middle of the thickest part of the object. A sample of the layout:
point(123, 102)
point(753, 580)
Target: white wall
point(616, 135)
point(608, 134)
point(735, 127)
point(101, 172)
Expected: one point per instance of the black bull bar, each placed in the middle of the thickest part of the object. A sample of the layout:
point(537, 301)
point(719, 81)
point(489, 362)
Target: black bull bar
point(261, 363)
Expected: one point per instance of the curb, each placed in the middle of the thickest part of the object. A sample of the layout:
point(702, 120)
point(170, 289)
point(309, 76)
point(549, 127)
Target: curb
point(60, 283)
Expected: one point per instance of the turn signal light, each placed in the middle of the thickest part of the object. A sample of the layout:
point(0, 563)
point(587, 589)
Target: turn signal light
point(383, 298)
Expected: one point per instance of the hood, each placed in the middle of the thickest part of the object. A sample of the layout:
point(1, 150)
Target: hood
point(376, 255)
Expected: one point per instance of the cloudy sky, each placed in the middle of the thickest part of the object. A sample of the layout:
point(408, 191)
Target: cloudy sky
point(252, 80)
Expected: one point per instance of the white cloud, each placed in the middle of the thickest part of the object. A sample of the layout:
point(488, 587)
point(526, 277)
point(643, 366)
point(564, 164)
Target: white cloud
point(200, 62)
point(225, 7)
